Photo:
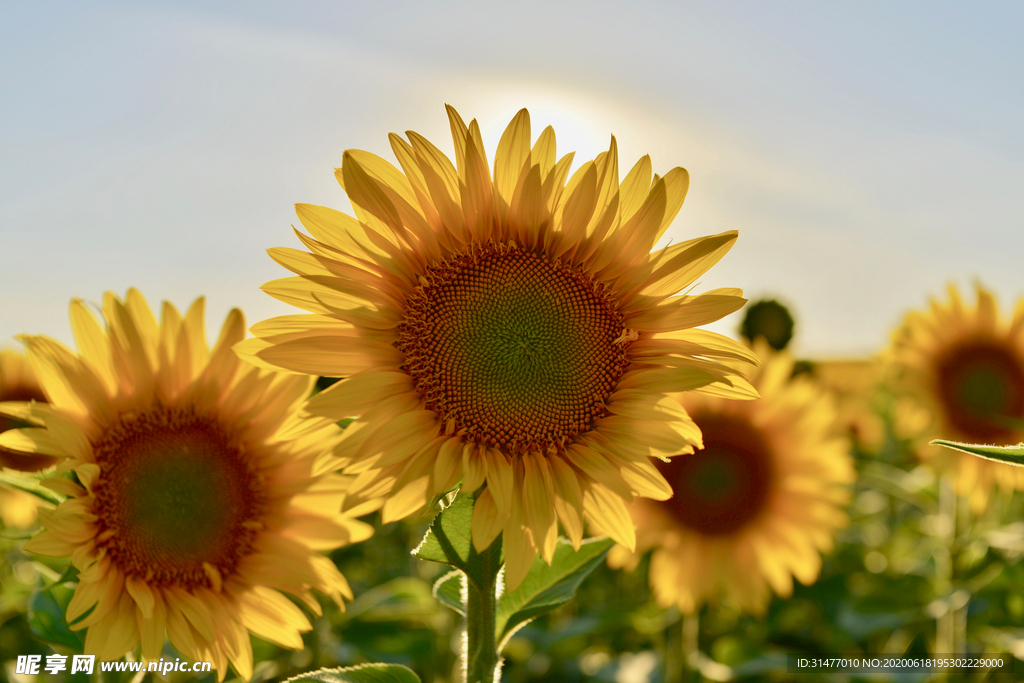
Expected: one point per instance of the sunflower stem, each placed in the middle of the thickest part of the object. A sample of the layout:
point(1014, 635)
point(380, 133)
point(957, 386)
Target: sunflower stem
point(945, 626)
point(675, 652)
point(691, 645)
point(481, 655)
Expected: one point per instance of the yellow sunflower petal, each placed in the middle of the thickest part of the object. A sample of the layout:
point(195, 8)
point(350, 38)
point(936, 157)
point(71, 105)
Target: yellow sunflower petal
point(513, 152)
point(568, 500)
point(538, 504)
point(609, 512)
point(487, 521)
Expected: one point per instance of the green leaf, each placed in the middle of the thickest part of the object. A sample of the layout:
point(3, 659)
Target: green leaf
point(444, 498)
point(449, 541)
point(898, 483)
point(70, 575)
point(46, 609)
point(448, 590)
point(31, 485)
point(404, 598)
point(1014, 455)
point(364, 673)
point(545, 588)
point(17, 534)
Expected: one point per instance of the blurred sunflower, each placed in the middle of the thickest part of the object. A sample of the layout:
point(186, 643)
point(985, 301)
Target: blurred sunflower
point(757, 506)
point(769, 320)
point(854, 384)
point(964, 369)
point(513, 330)
point(18, 509)
point(17, 383)
point(199, 489)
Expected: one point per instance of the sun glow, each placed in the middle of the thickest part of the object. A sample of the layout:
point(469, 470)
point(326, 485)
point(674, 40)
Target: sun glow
point(582, 122)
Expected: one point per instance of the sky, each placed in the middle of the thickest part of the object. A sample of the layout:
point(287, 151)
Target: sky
point(868, 153)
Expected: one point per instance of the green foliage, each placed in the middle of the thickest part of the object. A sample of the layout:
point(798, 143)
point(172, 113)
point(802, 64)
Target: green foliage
point(1009, 454)
point(448, 589)
point(394, 617)
point(364, 673)
point(46, 609)
point(546, 588)
point(449, 541)
point(324, 382)
point(29, 484)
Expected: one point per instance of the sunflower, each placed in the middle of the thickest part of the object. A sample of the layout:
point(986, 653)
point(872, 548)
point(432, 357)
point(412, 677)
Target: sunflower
point(757, 506)
point(512, 330)
point(854, 383)
point(769, 320)
point(963, 369)
point(18, 509)
point(199, 488)
point(17, 383)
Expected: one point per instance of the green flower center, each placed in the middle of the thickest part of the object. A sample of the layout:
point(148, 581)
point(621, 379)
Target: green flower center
point(981, 385)
point(725, 486)
point(512, 349)
point(175, 500)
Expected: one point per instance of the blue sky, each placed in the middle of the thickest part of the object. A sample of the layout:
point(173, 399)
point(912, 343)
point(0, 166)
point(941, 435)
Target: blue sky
point(868, 153)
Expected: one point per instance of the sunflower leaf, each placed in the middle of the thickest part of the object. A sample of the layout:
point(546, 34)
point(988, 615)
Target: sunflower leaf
point(545, 588)
point(363, 673)
point(444, 498)
point(30, 485)
point(1013, 455)
point(17, 534)
point(448, 590)
point(449, 541)
point(403, 598)
point(46, 609)
point(70, 575)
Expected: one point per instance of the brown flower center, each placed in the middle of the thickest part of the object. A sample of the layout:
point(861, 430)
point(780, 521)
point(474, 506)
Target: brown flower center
point(513, 349)
point(176, 502)
point(981, 386)
point(725, 486)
